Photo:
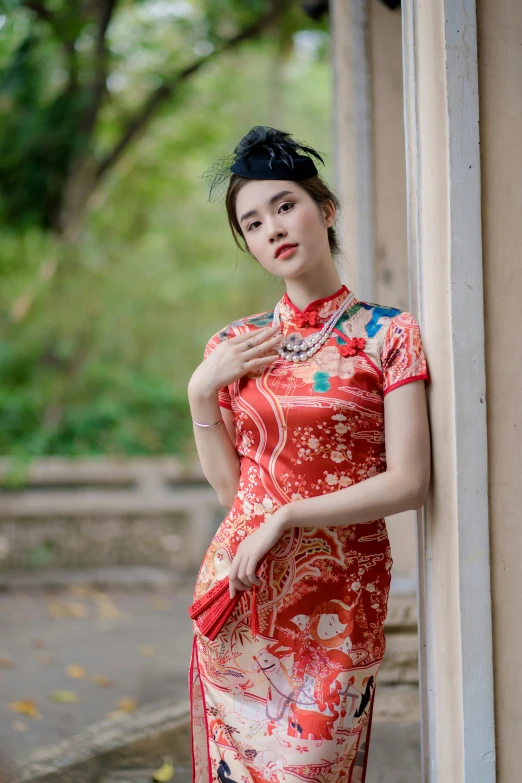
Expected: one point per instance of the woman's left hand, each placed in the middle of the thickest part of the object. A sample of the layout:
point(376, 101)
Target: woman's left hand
point(242, 574)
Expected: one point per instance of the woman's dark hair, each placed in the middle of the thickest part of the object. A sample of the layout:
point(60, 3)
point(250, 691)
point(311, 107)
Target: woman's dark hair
point(314, 186)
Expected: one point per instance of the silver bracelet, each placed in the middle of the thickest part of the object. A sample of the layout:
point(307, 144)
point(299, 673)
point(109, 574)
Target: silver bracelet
point(208, 425)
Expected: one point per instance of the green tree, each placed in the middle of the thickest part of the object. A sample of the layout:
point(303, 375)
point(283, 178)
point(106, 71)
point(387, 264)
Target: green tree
point(99, 335)
point(62, 130)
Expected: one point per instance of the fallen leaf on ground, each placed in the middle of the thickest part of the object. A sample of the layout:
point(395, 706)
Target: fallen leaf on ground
point(19, 726)
point(115, 714)
point(159, 604)
point(103, 682)
point(74, 609)
point(108, 610)
point(147, 650)
point(39, 643)
point(127, 705)
point(64, 697)
point(80, 591)
point(165, 773)
point(55, 610)
point(70, 609)
point(44, 658)
point(25, 707)
point(76, 672)
point(6, 662)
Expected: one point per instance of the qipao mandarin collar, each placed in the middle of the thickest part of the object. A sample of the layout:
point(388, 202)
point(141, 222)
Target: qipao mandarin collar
point(316, 313)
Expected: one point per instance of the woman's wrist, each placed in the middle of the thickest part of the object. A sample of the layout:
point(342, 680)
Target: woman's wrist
point(283, 517)
point(201, 390)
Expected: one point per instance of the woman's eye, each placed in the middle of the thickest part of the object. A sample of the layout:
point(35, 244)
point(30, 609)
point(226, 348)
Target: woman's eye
point(286, 204)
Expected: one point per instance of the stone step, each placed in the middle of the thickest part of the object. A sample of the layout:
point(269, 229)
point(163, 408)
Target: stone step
point(400, 664)
point(396, 703)
point(402, 614)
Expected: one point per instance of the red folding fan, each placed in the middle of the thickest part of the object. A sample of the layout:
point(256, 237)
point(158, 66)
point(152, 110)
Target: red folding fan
point(213, 609)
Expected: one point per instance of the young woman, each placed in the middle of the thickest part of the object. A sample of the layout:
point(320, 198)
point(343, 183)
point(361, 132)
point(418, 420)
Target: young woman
point(325, 433)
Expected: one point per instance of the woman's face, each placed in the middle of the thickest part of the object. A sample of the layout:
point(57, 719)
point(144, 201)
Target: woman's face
point(329, 626)
point(276, 212)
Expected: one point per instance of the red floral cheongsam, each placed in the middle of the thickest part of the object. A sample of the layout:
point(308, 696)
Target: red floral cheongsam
point(294, 702)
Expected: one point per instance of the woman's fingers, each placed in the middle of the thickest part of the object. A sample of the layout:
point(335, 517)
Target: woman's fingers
point(251, 572)
point(258, 336)
point(236, 581)
point(242, 573)
point(262, 338)
point(246, 575)
point(247, 572)
point(263, 353)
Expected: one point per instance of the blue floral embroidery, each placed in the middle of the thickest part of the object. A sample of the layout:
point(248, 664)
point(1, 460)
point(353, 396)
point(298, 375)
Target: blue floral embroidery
point(373, 325)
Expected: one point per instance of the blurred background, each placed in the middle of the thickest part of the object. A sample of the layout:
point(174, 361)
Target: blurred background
point(115, 271)
point(115, 268)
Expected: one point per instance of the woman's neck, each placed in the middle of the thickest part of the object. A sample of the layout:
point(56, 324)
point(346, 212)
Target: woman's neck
point(302, 294)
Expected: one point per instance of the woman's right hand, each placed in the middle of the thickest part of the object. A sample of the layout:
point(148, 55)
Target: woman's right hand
point(237, 356)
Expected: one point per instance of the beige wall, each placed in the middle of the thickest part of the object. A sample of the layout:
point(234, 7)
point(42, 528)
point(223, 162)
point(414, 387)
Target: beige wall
point(389, 164)
point(500, 82)
point(389, 213)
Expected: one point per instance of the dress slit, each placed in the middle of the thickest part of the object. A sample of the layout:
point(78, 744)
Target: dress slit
point(367, 738)
point(200, 745)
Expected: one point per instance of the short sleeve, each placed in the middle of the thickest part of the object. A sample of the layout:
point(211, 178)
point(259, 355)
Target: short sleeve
point(403, 358)
point(224, 397)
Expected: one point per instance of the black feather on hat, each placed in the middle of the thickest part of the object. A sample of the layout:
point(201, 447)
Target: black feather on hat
point(264, 153)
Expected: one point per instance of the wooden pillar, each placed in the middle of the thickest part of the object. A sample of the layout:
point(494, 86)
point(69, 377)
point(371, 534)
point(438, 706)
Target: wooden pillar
point(445, 260)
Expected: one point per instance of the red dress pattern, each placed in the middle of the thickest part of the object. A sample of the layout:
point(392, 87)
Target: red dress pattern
point(294, 702)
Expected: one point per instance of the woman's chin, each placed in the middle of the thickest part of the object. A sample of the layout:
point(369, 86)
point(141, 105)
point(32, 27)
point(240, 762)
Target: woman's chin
point(291, 266)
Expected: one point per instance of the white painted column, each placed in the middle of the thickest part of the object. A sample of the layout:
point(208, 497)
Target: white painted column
point(446, 289)
point(352, 127)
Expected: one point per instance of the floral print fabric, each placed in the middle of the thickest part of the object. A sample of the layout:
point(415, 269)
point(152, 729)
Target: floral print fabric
point(295, 701)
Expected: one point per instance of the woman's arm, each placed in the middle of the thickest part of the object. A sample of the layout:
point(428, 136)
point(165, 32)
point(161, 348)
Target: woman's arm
point(226, 358)
point(215, 445)
point(404, 484)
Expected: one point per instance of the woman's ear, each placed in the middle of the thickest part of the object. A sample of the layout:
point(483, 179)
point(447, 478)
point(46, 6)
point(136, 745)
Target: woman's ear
point(329, 213)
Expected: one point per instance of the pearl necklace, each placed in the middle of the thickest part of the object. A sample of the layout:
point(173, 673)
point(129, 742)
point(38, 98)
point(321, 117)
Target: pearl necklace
point(302, 350)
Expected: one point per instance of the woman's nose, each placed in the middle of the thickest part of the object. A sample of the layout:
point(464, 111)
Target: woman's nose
point(276, 234)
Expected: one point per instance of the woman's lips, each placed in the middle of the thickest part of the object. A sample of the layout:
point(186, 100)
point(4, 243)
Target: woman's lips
point(287, 252)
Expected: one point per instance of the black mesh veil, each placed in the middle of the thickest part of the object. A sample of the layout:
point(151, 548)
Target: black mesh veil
point(263, 153)
point(217, 177)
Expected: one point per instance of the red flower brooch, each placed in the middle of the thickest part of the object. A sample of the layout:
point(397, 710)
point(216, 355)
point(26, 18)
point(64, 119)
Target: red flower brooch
point(302, 319)
point(353, 345)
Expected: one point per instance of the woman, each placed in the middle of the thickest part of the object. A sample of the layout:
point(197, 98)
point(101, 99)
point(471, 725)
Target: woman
point(315, 451)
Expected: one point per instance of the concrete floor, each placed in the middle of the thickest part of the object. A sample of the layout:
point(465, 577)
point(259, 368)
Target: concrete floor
point(141, 641)
point(394, 758)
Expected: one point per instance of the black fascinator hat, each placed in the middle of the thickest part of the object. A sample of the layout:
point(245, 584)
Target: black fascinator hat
point(264, 153)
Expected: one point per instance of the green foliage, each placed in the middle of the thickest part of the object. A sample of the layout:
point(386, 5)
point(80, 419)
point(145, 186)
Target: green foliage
point(100, 337)
point(40, 129)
